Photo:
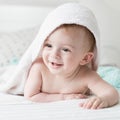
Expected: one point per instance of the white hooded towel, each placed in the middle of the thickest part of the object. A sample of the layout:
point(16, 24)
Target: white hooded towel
point(69, 13)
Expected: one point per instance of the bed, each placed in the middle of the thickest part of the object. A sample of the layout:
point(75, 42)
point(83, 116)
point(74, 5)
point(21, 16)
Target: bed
point(20, 23)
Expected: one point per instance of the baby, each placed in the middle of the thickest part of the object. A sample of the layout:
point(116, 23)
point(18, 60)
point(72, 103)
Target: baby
point(65, 69)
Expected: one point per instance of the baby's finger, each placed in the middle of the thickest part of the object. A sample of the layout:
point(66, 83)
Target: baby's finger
point(88, 104)
point(82, 96)
point(96, 103)
point(102, 105)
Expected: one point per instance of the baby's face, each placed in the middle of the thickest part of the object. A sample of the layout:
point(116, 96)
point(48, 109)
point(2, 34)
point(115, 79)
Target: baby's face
point(64, 49)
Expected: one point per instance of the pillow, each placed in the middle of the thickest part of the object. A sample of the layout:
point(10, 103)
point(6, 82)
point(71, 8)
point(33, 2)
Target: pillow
point(14, 44)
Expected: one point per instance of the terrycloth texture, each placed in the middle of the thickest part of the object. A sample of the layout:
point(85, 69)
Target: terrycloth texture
point(110, 74)
point(69, 13)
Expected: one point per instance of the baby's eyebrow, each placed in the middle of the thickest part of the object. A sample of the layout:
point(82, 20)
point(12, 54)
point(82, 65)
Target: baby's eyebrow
point(46, 41)
point(69, 45)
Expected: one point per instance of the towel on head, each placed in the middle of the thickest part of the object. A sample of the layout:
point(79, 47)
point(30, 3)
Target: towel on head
point(69, 13)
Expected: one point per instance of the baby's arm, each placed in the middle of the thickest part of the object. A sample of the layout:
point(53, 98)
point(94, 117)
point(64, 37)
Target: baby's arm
point(105, 94)
point(32, 90)
point(46, 97)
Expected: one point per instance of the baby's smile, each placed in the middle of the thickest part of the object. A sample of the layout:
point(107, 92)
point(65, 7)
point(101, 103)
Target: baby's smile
point(55, 65)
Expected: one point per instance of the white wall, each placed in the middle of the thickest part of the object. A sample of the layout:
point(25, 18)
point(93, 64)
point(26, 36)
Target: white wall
point(14, 17)
point(115, 4)
point(112, 3)
point(35, 2)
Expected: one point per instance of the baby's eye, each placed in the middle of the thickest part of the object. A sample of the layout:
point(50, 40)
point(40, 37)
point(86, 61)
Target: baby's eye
point(48, 45)
point(66, 50)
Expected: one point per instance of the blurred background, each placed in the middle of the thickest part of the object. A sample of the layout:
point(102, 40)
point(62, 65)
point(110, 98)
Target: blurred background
point(115, 3)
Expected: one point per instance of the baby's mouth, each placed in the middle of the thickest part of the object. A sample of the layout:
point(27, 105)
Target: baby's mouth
point(55, 64)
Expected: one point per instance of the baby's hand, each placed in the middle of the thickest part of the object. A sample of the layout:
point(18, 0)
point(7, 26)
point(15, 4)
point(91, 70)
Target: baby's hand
point(94, 103)
point(74, 96)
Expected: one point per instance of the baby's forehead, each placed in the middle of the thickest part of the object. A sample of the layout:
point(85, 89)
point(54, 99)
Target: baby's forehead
point(74, 31)
point(67, 33)
point(70, 30)
point(80, 29)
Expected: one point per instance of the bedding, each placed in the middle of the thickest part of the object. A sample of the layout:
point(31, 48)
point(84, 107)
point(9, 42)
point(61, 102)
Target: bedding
point(14, 107)
point(110, 74)
point(14, 44)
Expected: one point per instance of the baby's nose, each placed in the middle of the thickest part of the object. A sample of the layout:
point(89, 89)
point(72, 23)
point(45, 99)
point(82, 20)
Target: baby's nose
point(55, 54)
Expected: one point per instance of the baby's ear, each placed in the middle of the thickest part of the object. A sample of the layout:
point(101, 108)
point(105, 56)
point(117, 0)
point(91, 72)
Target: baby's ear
point(87, 58)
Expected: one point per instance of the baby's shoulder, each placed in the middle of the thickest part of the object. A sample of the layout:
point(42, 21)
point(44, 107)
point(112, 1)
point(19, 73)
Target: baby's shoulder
point(91, 76)
point(92, 79)
point(37, 63)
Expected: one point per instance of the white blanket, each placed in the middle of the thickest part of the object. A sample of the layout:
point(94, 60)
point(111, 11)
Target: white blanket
point(14, 107)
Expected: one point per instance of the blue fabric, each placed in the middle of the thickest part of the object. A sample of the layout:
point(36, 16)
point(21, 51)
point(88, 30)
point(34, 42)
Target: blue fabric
point(110, 74)
point(14, 61)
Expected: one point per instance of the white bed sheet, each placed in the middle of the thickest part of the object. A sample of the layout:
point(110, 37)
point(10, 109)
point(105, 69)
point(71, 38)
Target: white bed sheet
point(17, 108)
